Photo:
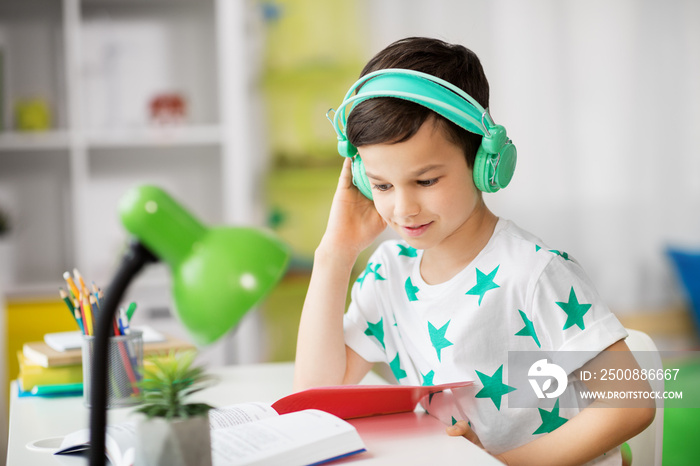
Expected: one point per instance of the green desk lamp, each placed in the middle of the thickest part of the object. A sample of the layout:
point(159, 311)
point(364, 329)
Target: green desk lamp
point(218, 274)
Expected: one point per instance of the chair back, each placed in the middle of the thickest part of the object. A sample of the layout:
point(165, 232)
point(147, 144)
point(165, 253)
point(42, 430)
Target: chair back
point(647, 446)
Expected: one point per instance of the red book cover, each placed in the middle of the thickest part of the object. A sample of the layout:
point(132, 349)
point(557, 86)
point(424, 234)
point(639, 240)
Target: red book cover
point(352, 401)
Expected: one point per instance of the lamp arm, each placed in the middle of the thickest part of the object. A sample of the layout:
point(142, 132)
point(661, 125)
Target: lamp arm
point(136, 257)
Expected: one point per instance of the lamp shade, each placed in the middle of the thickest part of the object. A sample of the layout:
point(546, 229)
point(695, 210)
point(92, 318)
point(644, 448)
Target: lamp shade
point(218, 273)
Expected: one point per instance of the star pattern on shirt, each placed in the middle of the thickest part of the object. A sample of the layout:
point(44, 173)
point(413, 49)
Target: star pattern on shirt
point(369, 270)
point(528, 330)
point(494, 387)
point(551, 420)
point(411, 290)
point(407, 251)
point(376, 330)
point(395, 366)
point(437, 338)
point(428, 379)
point(431, 395)
point(574, 311)
point(484, 283)
point(561, 254)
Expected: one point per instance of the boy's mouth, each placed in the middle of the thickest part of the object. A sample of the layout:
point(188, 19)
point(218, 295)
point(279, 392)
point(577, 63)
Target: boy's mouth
point(415, 230)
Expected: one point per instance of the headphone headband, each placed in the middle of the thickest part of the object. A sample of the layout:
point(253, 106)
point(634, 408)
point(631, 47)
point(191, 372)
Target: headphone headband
point(441, 96)
point(496, 157)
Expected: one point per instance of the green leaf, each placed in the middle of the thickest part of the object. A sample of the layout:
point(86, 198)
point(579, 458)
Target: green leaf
point(168, 382)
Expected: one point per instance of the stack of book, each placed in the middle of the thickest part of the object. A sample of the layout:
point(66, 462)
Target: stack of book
point(45, 370)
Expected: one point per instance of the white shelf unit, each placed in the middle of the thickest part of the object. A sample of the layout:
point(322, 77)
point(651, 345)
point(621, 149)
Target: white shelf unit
point(97, 63)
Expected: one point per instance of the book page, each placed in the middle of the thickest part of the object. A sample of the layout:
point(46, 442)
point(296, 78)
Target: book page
point(121, 438)
point(240, 413)
point(119, 443)
point(304, 437)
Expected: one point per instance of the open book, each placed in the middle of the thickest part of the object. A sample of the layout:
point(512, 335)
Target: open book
point(303, 428)
point(246, 434)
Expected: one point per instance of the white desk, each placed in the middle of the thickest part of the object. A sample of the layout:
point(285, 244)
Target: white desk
point(399, 439)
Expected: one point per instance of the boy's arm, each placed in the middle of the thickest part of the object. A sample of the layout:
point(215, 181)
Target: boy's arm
point(322, 357)
point(598, 428)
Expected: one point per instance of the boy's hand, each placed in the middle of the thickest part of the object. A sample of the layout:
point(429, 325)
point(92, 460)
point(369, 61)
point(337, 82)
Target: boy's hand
point(353, 222)
point(461, 428)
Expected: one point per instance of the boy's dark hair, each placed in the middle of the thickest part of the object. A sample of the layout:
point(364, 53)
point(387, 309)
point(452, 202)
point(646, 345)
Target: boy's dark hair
point(390, 120)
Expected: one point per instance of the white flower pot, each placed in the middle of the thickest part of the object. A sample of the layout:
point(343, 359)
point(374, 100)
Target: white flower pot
point(173, 443)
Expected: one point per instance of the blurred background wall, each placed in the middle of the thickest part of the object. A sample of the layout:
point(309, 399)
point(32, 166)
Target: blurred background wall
point(601, 98)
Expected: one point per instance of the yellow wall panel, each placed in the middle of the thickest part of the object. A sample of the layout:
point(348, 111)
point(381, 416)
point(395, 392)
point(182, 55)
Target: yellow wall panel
point(29, 321)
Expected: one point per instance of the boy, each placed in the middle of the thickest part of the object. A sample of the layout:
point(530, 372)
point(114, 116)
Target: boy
point(463, 289)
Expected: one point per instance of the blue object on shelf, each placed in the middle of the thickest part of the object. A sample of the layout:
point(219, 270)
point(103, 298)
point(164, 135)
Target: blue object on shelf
point(688, 267)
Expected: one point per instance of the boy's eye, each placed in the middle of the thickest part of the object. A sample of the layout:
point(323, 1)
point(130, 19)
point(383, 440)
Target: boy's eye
point(381, 187)
point(428, 182)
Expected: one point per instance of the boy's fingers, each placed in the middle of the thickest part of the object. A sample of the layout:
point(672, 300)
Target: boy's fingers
point(459, 429)
point(346, 173)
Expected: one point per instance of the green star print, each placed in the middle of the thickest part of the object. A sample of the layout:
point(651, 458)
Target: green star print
point(484, 283)
point(574, 311)
point(437, 338)
point(494, 387)
point(376, 330)
point(528, 330)
point(428, 378)
point(369, 270)
point(407, 251)
point(395, 366)
point(560, 253)
point(411, 290)
point(550, 420)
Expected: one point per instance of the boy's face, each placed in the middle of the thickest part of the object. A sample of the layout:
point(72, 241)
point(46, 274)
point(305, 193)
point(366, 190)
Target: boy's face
point(423, 188)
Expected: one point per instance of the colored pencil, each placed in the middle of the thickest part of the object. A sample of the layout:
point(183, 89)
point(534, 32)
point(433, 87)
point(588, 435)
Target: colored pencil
point(81, 282)
point(97, 292)
point(130, 311)
point(78, 319)
point(87, 312)
point(64, 296)
point(71, 285)
point(79, 312)
point(121, 320)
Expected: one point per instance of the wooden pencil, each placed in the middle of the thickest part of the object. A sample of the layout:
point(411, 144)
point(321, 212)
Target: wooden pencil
point(71, 285)
point(64, 296)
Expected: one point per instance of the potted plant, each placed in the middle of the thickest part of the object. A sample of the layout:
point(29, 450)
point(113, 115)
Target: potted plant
point(173, 432)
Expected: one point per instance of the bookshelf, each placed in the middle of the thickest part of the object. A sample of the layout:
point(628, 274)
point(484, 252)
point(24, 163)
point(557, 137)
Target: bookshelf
point(96, 65)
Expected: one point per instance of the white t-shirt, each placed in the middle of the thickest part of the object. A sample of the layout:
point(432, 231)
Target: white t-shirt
point(517, 298)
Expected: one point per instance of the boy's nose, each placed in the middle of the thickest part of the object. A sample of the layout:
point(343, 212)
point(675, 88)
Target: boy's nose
point(405, 204)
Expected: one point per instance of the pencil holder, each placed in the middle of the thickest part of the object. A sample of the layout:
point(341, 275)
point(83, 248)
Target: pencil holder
point(124, 369)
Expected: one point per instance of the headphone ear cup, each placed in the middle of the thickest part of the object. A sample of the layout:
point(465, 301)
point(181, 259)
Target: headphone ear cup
point(359, 177)
point(489, 179)
point(345, 148)
point(483, 171)
point(506, 165)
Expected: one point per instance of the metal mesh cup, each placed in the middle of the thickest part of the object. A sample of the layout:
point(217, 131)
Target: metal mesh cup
point(124, 369)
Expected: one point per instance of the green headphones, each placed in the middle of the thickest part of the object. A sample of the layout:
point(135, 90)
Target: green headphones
point(496, 157)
